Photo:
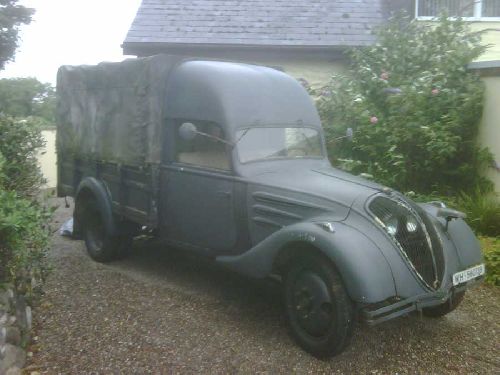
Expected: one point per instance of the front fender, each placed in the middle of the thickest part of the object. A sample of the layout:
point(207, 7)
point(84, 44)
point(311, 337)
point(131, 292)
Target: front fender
point(364, 269)
point(464, 240)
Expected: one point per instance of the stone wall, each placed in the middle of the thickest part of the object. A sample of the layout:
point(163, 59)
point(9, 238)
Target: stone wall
point(15, 326)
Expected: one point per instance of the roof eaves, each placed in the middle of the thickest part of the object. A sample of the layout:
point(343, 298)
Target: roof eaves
point(146, 48)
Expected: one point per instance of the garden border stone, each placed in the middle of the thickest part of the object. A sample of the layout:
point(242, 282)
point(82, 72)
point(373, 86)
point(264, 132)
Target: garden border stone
point(15, 326)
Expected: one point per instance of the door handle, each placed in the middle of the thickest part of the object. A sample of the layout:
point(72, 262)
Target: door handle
point(225, 194)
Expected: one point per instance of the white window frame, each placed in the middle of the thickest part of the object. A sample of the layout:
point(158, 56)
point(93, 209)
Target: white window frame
point(478, 9)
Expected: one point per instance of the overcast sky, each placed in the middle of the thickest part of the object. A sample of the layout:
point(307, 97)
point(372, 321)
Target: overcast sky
point(71, 32)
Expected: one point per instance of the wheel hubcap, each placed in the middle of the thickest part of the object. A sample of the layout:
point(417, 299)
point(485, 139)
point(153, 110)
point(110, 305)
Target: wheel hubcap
point(312, 304)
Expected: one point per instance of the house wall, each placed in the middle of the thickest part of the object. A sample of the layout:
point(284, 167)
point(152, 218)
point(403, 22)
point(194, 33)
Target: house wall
point(489, 135)
point(317, 67)
point(47, 159)
point(317, 72)
point(490, 37)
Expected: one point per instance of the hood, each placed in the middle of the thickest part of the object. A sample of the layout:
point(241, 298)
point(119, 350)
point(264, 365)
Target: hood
point(321, 181)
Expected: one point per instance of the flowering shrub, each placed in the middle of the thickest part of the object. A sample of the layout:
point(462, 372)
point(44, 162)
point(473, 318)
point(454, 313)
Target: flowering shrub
point(414, 109)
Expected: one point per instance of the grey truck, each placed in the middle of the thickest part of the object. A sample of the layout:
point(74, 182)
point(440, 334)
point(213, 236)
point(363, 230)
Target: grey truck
point(228, 161)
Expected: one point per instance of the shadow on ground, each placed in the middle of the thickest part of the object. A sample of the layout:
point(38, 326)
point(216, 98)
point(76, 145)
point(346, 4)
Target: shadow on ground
point(162, 311)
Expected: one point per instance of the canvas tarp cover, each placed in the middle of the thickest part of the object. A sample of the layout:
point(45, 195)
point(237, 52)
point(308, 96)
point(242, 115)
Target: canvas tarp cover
point(113, 112)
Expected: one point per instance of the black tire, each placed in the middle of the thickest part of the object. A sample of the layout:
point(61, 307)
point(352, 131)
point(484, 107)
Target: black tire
point(319, 312)
point(445, 308)
point(102, 246)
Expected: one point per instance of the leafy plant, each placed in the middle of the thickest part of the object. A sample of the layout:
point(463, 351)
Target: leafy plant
point(23, 220)
point(491, 250)
point(483, 212)
point(12, 16)
point(414, 109)
point(23, 240)
point(27, 97)
point(20, 143)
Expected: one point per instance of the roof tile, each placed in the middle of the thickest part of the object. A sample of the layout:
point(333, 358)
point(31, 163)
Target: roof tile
point(257, 22)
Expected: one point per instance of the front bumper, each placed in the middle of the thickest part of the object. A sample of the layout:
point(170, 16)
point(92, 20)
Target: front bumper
point(381, 312)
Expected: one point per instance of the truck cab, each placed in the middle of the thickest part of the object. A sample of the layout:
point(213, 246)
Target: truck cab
point(245, 121)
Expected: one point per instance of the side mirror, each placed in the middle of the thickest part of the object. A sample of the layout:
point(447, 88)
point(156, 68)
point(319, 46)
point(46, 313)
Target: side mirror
point(448, 214)
point(188, 131)
point(349, 135)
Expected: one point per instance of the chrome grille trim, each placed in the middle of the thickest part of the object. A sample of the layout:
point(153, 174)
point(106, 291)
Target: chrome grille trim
point(422, 249)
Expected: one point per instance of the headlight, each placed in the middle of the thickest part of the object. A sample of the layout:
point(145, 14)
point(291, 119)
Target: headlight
point(411, 224)
point(389, 221)
point(394, 216)
point(391, 224)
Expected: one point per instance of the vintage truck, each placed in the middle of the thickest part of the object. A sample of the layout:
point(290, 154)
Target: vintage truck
point(228, 161)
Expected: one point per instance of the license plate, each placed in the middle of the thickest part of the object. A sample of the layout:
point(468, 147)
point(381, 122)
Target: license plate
point(464, 276)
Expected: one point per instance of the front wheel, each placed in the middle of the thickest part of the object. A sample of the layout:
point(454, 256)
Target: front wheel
point(318, 309)
point(445, 308)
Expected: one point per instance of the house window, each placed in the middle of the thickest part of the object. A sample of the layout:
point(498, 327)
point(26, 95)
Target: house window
point(487, 10)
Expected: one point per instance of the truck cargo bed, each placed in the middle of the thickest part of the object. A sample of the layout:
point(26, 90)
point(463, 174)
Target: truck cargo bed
point(131, 189)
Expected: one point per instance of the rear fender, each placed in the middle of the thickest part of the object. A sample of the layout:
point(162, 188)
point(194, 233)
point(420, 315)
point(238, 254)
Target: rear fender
point(91, 188)
point(363, 267)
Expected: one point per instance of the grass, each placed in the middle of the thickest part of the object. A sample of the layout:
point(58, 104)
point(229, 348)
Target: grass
point(491, 251)
point(483, 212)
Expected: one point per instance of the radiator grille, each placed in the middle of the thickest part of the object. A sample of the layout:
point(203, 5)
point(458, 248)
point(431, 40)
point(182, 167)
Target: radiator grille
point(412, 230)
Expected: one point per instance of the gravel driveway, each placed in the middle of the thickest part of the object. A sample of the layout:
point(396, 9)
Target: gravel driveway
point(162, 312)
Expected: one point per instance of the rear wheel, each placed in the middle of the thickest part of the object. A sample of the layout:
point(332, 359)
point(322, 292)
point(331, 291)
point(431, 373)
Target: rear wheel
point(102, 246)
point(319, 311)
point(445, 308)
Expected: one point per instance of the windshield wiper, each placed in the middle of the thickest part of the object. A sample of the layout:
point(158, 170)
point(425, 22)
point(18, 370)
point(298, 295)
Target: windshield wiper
point(241, 136)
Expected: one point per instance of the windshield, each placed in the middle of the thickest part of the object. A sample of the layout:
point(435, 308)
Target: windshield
point(278, 143)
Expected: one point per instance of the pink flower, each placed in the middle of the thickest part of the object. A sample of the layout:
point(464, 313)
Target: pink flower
point(373, 119)
point(384, 76)
point(435, 91)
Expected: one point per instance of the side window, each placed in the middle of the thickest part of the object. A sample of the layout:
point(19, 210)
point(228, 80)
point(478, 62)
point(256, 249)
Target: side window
point(203, 150)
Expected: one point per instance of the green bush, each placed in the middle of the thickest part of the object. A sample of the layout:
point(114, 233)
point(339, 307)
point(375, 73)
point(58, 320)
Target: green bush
point(23, 240)
point(24, 221)
point(20, 142)
point(422, 136)
point(491, 250)
point(27, 97)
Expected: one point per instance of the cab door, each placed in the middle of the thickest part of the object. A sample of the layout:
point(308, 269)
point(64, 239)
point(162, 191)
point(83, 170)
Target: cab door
point(198, 203)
